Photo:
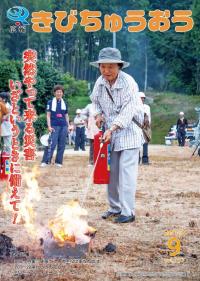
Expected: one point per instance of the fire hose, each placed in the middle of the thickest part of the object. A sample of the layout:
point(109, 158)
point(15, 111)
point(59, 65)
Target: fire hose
point(91, 175)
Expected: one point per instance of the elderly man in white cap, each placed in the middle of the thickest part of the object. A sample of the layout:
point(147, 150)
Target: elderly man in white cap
point(115, 96)
point(79, 122)
point(181, 126)
point(147, 111)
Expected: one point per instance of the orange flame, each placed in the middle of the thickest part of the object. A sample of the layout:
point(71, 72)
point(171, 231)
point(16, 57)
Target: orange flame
point(69, 225)
point(26, 214)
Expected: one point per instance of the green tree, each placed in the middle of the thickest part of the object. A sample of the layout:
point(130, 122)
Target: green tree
point(47, 78)
point(8, 70)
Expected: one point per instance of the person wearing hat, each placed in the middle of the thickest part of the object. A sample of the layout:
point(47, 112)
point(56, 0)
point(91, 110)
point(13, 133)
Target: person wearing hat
point(79, 122)
point(58, 121)
point(147, 111)
point(115, 96)
point(181, 126)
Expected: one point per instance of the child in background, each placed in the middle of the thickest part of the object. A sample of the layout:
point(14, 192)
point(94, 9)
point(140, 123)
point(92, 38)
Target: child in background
point(71, 130)
point(92, 129)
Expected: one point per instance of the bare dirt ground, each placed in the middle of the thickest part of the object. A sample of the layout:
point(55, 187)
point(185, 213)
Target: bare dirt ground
point(167, 199)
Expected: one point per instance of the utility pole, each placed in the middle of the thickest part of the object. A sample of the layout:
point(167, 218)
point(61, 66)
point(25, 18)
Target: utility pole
point(114, 39)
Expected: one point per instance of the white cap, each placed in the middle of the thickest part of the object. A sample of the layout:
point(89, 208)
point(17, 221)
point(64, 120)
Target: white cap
point(142, 95)
point(78, 111)
point(181, 113)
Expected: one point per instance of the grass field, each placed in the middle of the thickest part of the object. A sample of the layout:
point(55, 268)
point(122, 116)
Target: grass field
point(165, 108)
point(167, 209)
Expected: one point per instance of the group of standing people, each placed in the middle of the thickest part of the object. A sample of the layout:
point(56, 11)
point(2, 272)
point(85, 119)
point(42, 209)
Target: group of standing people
point(85, 128)
point(115, 101)
point(59, 128)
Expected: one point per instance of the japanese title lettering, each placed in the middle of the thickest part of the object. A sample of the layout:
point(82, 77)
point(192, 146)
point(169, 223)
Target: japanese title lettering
point(92, 21)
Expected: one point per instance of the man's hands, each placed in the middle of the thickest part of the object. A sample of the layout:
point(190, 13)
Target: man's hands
point(107, 135)
point(99, 120)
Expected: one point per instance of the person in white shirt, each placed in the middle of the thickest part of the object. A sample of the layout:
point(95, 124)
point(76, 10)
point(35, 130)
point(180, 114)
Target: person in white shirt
point(147, 110)
point(181, 126)
point(115, 98)
point(79, 122)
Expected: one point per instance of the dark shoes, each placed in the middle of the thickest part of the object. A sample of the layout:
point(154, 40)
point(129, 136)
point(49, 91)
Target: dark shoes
point(124, 219)
point(120, 218)
point(145, 160)
point(109, 214)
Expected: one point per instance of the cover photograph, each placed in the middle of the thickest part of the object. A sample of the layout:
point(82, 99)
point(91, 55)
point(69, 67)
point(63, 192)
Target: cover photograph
point(99, 140)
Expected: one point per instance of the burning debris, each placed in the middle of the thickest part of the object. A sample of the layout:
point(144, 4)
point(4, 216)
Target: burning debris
point(69, 225)
point(65, 251)
point(70, 235)
point(8, 250)
point(67, 235)
point(26, 214)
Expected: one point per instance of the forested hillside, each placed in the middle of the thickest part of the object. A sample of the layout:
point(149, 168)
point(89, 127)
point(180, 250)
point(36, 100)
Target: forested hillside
point(160, 60)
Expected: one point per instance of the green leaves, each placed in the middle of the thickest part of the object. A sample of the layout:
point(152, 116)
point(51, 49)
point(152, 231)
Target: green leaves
point(8, 70)
point(167, 60)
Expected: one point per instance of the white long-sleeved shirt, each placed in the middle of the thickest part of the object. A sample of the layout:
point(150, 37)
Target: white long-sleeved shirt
point(92, 129)
point(79, 121)
point(147, 110)
point(127, 104)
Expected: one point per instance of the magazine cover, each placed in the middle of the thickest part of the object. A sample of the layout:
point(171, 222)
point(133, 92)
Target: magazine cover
point(99, 140)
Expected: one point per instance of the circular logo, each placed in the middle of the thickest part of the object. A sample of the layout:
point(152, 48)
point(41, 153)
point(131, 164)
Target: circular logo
point(18, 14)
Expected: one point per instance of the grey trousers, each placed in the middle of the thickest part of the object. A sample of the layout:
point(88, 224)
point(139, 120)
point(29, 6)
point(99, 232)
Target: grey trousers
point(123, 179)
